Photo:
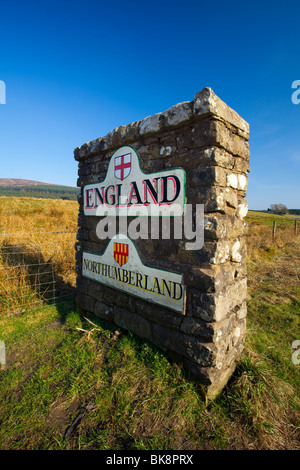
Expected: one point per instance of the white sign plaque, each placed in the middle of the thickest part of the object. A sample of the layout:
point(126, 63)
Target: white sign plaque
point(127, 190)
point(120, 267)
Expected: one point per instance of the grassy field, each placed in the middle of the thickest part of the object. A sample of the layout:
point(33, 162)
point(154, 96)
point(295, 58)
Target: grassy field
point(74, 383)
point(37, 238)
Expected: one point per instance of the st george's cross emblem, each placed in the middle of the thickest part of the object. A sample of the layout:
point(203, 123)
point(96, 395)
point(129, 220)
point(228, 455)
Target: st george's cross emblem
point(122, 166)
point(121, 253)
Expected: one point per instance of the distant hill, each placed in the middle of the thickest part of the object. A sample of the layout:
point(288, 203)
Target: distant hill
point(19, 182)
point(12, 187)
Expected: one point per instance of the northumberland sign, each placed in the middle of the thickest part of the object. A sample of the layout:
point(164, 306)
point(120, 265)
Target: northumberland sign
point(126, 190)
point(120, 267)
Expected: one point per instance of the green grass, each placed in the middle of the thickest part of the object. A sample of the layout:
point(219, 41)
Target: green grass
point(138, 399)
point(129, 394)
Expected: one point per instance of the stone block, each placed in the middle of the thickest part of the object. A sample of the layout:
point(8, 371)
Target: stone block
point(207, 176)
point(103, 311)
point(85, 302)
point(132, 322)
point(219, 226)
point(169, 339)
point(215, 306)
point(158, 315)
point(206, 102)
point(213, 278)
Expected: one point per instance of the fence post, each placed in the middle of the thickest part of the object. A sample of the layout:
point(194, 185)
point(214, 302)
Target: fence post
point(274, 230)
point(295, 228)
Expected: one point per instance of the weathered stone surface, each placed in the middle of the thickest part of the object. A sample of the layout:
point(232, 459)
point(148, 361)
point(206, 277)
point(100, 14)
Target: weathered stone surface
point(207, 102)
point(169, 339)
point(235, 252)
point(204, 354)
point(237, 181)
point(82, 234)
point(242, 311)
point(209, 141)
point(95, 290)
point(204, 374)
point(216, 251)
point(219, 225)
point(132, 322)
point(242, 209)
point(241, 165)
point(158, 315)
point(103, 311)
point(219, 379)
point(174, 116)
point(215, 198)
point(215, 306)
point(207, 176)
point(209, 133)
point(213, 278)
point(85, 302)
point(192, 326)
point(194, 158)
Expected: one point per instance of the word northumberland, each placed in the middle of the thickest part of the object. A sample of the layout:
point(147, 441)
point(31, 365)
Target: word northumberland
point(141, 281)
point(152, 284)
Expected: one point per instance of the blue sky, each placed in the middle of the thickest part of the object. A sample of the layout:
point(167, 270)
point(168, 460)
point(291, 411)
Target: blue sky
point(74, 70)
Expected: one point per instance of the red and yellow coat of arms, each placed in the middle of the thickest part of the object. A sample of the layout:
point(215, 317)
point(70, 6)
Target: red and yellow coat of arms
point(121, 253)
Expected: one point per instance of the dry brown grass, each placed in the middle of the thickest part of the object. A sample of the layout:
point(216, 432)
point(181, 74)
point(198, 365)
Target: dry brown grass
point(37, 238)
point(272, 326)
point(275, 261)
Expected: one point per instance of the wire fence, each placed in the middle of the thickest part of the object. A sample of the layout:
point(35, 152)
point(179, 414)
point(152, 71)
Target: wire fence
point(36, 268)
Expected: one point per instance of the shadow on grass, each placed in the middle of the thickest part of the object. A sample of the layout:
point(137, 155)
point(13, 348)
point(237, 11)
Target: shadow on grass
point(37, 281)
point(160, 362)
point(28, 279)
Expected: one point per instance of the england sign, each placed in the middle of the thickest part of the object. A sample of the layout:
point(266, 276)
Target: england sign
point(120, 267)
point(128, 191)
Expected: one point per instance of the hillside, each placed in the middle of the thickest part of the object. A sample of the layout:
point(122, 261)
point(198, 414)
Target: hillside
point(9, 182)
point(11, 187)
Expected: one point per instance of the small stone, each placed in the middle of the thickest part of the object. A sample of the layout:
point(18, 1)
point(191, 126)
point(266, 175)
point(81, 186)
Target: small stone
point(235, 254)
point(165, 151)
point(232, 181)
point(242, 182)
point(242, 209)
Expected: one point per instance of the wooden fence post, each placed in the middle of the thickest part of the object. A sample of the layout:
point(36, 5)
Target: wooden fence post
point(274, 230)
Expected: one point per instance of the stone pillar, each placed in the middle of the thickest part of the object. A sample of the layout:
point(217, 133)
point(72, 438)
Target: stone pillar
point(209, 141)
